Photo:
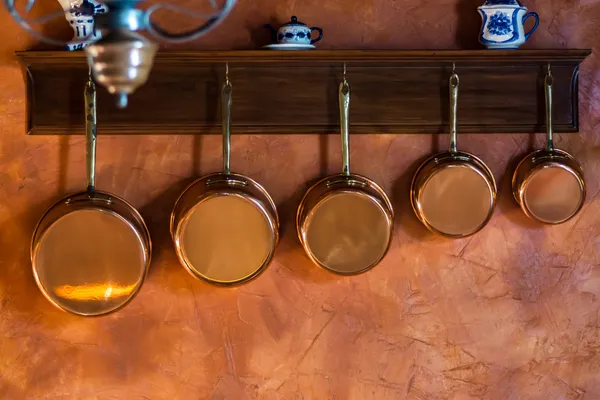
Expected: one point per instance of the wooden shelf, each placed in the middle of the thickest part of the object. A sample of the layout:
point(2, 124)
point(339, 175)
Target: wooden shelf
point(296, 92)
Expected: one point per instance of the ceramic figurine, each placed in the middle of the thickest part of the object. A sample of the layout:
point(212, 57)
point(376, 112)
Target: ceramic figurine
point(294, 35)
point(80, 15)
point(502, 25)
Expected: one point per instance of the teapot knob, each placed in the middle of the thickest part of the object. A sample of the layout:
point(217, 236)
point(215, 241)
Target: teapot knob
point(294, 18)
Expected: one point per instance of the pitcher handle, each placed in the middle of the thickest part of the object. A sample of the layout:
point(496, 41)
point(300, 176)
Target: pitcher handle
point(316, 28)
point(537, 22)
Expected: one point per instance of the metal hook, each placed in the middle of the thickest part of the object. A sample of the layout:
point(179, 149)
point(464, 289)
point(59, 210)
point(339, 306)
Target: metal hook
point(227, 81)
point(345, 81)
point(549, 78)
point(454, 80)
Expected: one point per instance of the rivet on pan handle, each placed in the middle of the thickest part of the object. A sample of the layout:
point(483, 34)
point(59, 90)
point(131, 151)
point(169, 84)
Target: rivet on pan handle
point(454, 83)
point(90, 133)
point(548, 83)
point(351, 182)
point(226, 91)
point(107, 200)
point(344, 100)
point(229, 180)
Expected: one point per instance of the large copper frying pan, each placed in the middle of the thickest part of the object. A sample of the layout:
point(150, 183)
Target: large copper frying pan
point(90, 251)
point(548, 184)
point(225, 226)
point(345, 221)
point(453, 193)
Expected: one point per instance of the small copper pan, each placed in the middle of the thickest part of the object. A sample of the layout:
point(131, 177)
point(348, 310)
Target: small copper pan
point(345, 221)
point(548, 184)
point(453, 193)
point(90, 251)
point(225, 226)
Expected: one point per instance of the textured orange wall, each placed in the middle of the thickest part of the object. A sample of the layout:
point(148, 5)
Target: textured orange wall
point(512, 313)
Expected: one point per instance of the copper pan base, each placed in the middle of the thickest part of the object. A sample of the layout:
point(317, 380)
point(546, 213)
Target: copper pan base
point(90, 253)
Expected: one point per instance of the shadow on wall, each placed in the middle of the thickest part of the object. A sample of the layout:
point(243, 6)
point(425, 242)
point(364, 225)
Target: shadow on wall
point(468, 24)
point(157, 216)
point(260, 35)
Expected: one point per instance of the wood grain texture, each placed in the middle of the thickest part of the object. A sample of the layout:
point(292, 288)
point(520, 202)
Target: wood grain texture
point(510, 314)
point(296, 92)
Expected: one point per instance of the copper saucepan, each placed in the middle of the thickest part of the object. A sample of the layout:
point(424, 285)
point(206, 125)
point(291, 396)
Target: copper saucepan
point(345, 221)
point(225, 226)
point(548, 184)
point(453, 193)
point(90, 251)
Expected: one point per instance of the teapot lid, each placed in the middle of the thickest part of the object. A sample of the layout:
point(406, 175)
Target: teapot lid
point(294, 22)
point(503, 3)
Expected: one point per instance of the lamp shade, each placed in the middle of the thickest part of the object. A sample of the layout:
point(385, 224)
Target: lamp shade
point(121, 62)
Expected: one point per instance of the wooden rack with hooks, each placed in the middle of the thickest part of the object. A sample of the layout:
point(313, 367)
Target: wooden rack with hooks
point(283, 92)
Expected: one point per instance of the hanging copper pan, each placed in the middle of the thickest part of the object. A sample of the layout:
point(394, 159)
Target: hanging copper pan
point(345, 221)
point(91, 251)
point(548, 184)
point(225, 226)
point(453, 193)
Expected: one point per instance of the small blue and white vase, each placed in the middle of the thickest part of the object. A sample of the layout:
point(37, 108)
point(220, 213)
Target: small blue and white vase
point(503, 24)
point(80, 15)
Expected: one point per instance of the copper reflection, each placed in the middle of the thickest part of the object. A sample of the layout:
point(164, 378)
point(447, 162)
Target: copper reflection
point(347, 232)
point(553, 194)
point(456, 200)
point(90, 261)
point(227, 239)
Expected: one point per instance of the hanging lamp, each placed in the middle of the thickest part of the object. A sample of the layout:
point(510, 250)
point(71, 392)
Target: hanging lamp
point(121, 59)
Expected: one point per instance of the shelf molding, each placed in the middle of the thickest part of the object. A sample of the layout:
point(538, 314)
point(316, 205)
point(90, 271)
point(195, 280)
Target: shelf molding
point(285, 92)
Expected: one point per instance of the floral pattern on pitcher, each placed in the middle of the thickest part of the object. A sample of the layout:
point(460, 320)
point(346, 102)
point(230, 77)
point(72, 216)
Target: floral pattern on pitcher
point(500, 24)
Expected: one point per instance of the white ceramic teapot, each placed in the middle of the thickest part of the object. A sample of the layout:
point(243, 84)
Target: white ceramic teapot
point(295, 32)
point(502, 24)
point(80, 15)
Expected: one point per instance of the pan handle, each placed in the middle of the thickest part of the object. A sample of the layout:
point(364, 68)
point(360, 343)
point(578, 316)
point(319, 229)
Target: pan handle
point(454, 83)
point(344, 100)
point(90, 133)
point(226, 121)
point(548, 84)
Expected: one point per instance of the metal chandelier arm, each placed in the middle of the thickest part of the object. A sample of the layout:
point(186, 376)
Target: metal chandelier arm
point(213, 19)
point(26, 22)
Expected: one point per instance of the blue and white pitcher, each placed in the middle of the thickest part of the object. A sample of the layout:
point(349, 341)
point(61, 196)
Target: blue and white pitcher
point(503, 24)
point(80, 15)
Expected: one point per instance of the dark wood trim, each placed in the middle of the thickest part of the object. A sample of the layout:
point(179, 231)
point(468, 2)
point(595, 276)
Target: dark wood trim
point(329, 56)
point(295, 92)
